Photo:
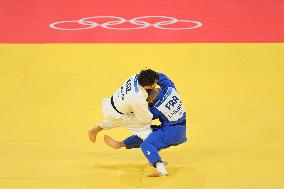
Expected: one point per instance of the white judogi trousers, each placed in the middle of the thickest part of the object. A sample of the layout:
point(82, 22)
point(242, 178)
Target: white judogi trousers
point(113, 119)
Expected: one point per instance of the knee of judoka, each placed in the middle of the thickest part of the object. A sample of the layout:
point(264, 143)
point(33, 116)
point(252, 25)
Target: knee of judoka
point(143, 145)
point(146, 146)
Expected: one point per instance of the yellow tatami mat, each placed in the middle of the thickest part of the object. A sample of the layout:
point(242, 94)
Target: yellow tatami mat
point(50, 95)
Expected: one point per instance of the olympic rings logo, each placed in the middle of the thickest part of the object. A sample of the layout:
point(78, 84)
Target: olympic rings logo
point(137, 23)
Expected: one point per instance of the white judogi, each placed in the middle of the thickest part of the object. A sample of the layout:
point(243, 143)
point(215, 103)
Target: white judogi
point(130, 100)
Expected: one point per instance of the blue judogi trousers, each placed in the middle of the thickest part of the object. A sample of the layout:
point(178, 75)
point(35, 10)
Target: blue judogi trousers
point(161, 138)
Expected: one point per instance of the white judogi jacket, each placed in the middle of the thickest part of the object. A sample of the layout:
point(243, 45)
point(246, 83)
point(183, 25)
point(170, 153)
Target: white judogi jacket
point(129, 99)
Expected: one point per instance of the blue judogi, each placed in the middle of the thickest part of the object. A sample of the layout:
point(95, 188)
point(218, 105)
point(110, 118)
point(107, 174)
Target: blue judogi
point(168, 108)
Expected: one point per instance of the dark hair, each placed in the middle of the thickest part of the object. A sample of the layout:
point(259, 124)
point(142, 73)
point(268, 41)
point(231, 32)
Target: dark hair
point(147, 77)
point(152, 94)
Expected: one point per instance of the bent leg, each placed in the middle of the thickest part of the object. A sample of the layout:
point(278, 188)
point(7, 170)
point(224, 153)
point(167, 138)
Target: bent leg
point(132, 142)
point(104, 125)
point(150, 148)
point(113, 143)
point(152, 145)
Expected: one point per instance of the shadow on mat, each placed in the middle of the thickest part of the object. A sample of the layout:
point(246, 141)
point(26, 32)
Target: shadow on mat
point(135, 175)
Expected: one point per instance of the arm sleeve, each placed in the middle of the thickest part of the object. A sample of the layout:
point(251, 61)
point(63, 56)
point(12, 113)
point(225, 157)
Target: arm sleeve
point(141, 111)
point(164, 81)
point(154, 112)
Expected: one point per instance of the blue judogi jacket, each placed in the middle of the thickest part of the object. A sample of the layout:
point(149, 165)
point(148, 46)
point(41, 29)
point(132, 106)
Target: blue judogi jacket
point(168, 107)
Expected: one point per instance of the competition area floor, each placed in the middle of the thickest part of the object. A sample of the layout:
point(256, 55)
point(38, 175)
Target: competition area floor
point(51, 95)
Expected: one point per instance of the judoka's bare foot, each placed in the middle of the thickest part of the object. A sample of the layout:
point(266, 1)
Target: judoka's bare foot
point(113, 143)
point(93, 133)
point(157, 174)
